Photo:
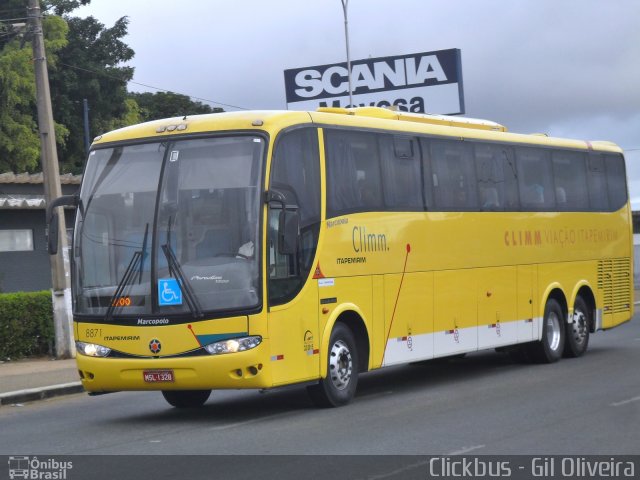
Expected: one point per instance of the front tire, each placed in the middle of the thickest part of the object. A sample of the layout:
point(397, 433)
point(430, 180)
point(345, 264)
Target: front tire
point(577, 334)
point(339, 386)
point(549, 349)
point(186, 398)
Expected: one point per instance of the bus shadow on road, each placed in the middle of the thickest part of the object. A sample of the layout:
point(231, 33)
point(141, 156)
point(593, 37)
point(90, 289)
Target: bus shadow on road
point(226, 409)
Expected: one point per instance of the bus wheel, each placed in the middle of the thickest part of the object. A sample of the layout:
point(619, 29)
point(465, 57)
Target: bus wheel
point(577, 335)
point(339, 386)
point(549, 348)
point(186, 398)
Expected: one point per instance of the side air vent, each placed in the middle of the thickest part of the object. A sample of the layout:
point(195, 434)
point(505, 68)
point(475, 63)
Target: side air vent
point(614, 279)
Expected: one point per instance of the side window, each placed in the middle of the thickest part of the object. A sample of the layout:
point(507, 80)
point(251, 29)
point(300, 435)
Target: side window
point(453, 176)
point(616, 181)
point(535, 179)
point(353, 172)
point(596, 178)
point(295, 173)
point(401, 175)
point(570, 175)
point(497, 178)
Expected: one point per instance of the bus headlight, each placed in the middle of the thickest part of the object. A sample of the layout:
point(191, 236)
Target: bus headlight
point(233, 345)
point(92, 350)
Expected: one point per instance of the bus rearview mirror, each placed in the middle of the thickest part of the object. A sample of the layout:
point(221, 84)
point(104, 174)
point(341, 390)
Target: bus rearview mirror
point(289, 229)
point(53, 223)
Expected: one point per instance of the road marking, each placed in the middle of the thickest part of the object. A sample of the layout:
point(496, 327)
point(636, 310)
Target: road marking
point(464, 450)
point(624, 402)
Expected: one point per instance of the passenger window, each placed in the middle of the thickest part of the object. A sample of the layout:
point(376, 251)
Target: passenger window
point(495, 171)
point(570, 175)
point(616, 181)
point(596, 178)
point(453, 176)
point(535, 179)
point(401, 176)
point(353, 172)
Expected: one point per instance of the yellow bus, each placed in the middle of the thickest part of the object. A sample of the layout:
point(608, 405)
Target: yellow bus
point(262, 249)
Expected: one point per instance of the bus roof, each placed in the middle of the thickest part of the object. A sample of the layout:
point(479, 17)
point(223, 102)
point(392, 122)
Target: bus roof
point(362, 117)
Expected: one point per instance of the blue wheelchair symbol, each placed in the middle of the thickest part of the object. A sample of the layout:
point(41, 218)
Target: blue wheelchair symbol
point(169, 292)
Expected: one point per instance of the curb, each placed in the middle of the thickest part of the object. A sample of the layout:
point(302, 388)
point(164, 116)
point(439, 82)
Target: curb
point(33, 394)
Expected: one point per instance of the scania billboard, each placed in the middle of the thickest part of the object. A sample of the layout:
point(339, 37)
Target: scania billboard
point(418, 82)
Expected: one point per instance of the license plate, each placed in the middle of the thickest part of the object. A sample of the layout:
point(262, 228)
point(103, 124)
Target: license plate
point(155, 376)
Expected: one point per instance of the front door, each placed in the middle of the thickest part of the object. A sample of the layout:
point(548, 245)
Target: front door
point(292, 295)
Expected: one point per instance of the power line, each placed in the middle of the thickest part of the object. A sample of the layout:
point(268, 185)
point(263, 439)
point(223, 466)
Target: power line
point(151, 86)
point(95, 72)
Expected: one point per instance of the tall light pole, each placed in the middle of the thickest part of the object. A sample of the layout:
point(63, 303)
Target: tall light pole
point(345, 4)
point(61, 292)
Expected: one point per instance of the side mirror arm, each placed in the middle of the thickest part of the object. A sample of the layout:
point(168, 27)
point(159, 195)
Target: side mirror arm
point(52, 219)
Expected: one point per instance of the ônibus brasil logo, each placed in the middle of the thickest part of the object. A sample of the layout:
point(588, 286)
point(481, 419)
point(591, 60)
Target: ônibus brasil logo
point(36, 469)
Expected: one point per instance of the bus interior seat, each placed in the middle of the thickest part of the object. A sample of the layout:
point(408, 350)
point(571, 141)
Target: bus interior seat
point(561, 196)
point(133, 243)
point(216, 241)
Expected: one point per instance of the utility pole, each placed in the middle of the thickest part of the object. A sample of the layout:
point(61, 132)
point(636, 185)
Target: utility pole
point(61, 291)
point(85, 118)
point(345, 4)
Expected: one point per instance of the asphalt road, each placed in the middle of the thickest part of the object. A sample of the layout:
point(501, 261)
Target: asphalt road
point(482, 404)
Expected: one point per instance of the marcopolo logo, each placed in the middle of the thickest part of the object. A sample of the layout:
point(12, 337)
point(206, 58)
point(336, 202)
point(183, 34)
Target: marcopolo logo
point(38, 469)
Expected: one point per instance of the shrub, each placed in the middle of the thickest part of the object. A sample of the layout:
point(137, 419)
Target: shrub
point(26, 324)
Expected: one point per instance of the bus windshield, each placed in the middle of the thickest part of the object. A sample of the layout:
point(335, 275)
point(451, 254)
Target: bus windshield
point(169, 228)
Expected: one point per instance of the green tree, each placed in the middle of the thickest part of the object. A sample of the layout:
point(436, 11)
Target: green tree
point(62, 7)
point(85, 61)
point(89, 67)
point(167, 104)
point(19, 140)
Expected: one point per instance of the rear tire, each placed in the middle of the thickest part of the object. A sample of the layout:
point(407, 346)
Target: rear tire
point(549, 349)
point(577, 331)
point(186, 398)
point(339, 386)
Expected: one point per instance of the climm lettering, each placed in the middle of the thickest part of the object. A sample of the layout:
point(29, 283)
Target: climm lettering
point(364, 241)
point(522, 238)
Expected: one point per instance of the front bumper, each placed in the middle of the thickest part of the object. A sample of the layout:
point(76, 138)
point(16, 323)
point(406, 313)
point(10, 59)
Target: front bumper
point(249, 369)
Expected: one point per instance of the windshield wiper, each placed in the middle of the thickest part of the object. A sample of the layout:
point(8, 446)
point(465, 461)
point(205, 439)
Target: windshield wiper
point(176, 271)
point(143, 252)
point(136, 263)
point(129, 274)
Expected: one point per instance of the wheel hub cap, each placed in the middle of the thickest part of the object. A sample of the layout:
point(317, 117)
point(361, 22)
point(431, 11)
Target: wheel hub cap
point(553, 331)
point(340, 365)
point(579, 326)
